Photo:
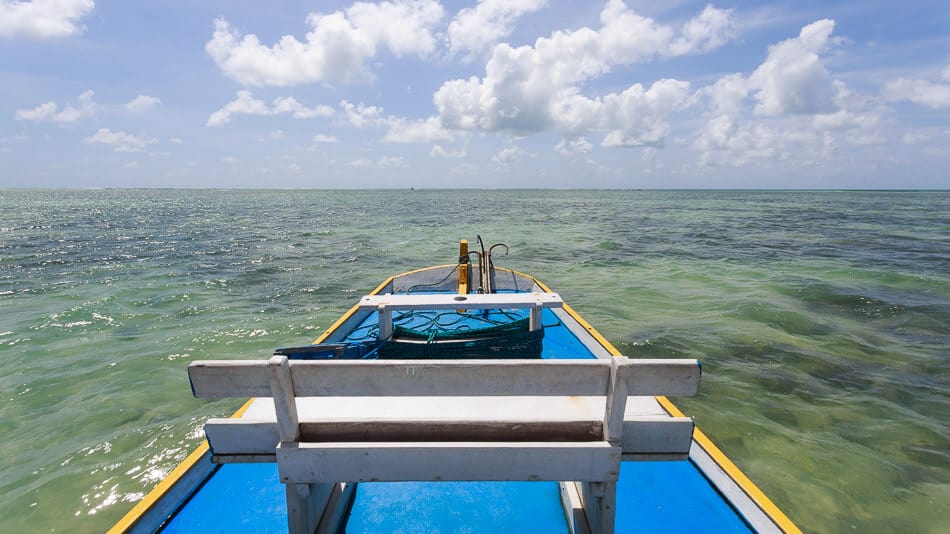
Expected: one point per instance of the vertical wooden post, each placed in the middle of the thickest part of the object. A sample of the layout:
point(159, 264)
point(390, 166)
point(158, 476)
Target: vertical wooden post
point(385, 323)
point(285, 403)
point(534, 323)
point(616, 399)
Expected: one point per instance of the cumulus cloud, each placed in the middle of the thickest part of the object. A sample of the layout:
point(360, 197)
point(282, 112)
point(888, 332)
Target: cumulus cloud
point(245, 104)
point(510, 155)
point(422, 131)
point(142, 103)
point(536, 88)
point(120, 141)
point(571, 147)
point(50, 110)
point(476, 29)
point(793, 78)
point(43, 19)
point(707, 31)
point(360, 115)
point(335, 49)
point(934, 95)
point(789, 105)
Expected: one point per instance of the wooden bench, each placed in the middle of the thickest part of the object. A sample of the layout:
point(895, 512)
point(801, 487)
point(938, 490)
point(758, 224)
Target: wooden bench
point(315, 452)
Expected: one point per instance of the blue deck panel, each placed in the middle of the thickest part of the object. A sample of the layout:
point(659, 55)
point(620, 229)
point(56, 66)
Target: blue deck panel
point(671, 497)
point(471, 507)
point(237, 498)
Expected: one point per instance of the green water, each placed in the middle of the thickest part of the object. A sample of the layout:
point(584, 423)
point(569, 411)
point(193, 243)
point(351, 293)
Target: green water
point(822, 320)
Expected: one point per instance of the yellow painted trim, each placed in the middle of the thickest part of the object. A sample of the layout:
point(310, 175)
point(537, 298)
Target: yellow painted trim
point(143, 506)
point(749, 487)
point(758, 497)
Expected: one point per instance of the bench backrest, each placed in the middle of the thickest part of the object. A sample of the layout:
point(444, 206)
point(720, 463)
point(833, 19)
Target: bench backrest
point(284, 380)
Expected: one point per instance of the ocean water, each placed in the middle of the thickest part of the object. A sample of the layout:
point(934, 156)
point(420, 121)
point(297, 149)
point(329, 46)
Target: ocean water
point(822, 320)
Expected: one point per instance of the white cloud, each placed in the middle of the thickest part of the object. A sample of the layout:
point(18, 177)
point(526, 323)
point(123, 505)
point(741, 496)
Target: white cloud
point(475, 29)
point(536, 88)
point(43, 18)
point(510, 155)
point(50, 110)
point(142, 103)
point(934, 95)
point(245, 104)
point(120, 141)
point(422, 131)
point(175, 140)
point(336, 48)
point(360, 115)
point(573, 147)
point(793, 79)
point(382, 163)
point(707, 31)
point(439, 151)
point(323, 138)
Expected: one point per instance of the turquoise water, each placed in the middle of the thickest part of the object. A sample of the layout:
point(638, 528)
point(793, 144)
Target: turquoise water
point(822, 319)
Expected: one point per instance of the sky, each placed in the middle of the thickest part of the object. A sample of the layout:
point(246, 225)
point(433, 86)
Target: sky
point(486, 94)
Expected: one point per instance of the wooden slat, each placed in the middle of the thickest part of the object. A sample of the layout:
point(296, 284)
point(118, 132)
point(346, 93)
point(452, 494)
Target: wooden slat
point(239, 436)
point(673, 378)
point(657, 434)
point(473, 301)
point(285, 403)
point(450, 377)
point(367, 462)
point(223, 379)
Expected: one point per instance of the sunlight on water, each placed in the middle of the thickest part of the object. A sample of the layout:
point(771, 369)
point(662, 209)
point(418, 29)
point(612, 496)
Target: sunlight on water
point(821, 320)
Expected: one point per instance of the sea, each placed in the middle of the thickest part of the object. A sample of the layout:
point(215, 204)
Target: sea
point(822, 319)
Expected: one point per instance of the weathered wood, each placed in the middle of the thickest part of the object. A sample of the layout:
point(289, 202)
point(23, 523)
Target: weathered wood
point(573, 508)
point(239, 436)
point(306, 503)
point(430, 461)
point(282, 391)
point(616, 400)
point(600, 502)
point(226, 379)
point(657, 434)
point(450, 377)
point(656, 437)
point(670, 377)
point(335, 511)
point(472, 301)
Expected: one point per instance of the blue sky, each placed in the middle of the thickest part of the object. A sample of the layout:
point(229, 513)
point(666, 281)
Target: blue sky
point(518, 93)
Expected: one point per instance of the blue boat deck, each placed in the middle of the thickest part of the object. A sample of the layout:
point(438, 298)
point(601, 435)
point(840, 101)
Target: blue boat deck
point(662, 496)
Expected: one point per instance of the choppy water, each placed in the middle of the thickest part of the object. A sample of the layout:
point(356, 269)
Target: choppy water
point(822, 320)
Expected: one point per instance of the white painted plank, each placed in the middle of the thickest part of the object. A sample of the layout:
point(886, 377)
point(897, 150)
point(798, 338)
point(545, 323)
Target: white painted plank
point(657, 434)
point(642, 435)
point(669, 377)
point(366, 462)
point(472, 301)
point(240, 436)
point(450, 377)
point(224, 379)
point(285, 404)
